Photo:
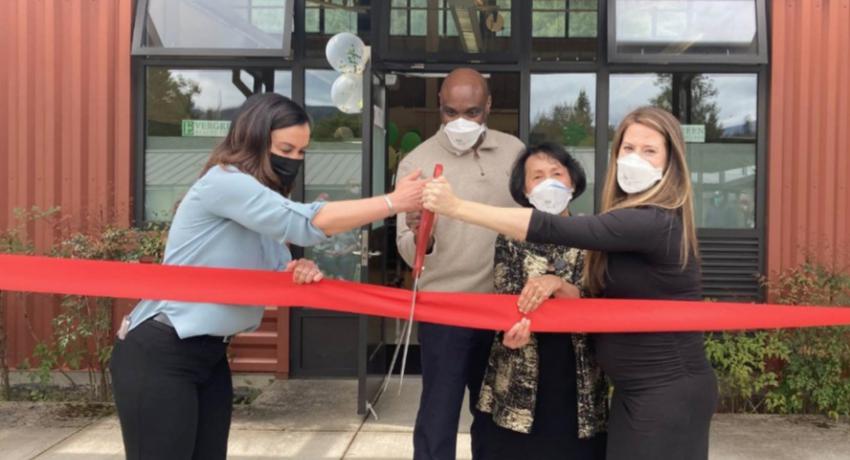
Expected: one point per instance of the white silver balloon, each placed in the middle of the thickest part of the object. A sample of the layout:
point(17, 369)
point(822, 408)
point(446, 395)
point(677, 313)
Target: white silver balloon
point(346, 53)
point(347, 93)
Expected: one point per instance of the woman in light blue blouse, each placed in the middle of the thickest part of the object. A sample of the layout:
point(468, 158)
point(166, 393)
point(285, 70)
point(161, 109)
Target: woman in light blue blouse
point(171, 379)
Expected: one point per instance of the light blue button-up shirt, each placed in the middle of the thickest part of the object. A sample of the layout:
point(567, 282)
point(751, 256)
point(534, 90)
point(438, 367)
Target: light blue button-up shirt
point(229, 219)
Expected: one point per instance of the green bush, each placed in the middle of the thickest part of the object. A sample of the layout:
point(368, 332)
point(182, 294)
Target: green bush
point(82, 331)
point(741, 362)
point(16, 240)
point(789, 371)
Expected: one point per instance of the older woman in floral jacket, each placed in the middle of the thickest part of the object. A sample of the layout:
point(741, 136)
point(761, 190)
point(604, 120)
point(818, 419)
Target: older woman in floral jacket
point(547, 396)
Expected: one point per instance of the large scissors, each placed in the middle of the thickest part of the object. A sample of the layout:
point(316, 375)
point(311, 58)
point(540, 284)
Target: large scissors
point(422, 239)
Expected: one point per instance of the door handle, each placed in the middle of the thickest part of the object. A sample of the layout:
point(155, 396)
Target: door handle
point(364, 252)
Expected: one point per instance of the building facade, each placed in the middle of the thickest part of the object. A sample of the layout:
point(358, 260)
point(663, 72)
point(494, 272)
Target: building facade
point(108, 109)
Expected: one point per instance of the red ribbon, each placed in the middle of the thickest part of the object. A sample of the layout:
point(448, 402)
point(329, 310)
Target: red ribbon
point(485, 311)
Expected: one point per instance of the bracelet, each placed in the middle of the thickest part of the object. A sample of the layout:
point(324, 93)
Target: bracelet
point(389, 204)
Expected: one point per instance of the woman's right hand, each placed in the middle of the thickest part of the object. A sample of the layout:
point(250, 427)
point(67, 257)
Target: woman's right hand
point(304, 271)
point(536, 291)
point(407, 196)
point(439, 197)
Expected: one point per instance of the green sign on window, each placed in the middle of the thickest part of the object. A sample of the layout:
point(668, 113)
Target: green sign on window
point(694, 133)
point(205, 128)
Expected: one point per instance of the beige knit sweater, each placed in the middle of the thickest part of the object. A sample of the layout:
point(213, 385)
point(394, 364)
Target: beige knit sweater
point(462, 256)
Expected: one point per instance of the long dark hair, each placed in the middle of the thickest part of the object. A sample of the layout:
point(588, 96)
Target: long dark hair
point(248, 142)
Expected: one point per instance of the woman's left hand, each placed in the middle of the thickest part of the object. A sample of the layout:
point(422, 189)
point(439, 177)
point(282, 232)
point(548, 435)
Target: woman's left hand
point(439, 197)
point(519, 335)
point(536, 291)
point(304, 271)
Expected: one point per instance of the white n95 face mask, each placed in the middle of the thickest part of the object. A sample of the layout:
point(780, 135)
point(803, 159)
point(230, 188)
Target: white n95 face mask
point(635, 175)
point(550, 196)
point(463, 133)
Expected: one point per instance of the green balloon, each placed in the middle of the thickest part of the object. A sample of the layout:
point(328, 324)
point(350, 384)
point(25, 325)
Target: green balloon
point(410, 141)
point(392, 133)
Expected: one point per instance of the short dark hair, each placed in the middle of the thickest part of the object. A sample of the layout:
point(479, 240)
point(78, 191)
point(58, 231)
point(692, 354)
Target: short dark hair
point(554, 151)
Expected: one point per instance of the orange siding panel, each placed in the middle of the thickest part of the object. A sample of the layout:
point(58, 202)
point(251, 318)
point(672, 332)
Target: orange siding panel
point(65, 126)
point(808, 169)
point(66, 140)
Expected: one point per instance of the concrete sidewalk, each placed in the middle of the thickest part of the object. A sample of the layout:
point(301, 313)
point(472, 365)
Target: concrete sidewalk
point(301, 419)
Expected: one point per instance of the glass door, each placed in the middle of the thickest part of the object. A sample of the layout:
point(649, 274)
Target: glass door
point(375, 239)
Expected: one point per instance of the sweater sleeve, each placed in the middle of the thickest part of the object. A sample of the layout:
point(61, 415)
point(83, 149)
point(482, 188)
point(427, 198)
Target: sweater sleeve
point(622, 230)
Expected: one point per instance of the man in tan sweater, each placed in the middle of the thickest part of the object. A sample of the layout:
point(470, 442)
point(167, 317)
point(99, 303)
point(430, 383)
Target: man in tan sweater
point(477, 162)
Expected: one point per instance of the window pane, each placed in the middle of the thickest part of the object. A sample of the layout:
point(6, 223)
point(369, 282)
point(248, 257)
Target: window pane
point(326, 18)
point(283, 82)
point(225, 24)
point(311, 20)
point(550, 25)
point(501, 20)
point(563, 111)
point(188, 113)
point(563, 30)
point(418, 23)
point(675, 27)
point(721, 142)
point(333, 170)
point(630, 91)
point(446, 22)
point(718, 114)
point(398, 22)
point(454, 26)
point(582, 25)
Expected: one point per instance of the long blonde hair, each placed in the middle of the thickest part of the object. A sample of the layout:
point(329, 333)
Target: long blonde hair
point(673, 192)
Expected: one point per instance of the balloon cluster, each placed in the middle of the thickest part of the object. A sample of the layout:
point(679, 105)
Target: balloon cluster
point(348, 55)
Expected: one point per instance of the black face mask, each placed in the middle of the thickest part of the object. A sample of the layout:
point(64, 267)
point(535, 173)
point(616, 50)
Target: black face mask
point(285, 168)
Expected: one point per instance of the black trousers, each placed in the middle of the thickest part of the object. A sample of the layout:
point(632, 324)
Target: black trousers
point(174, 397)
point(453, 359)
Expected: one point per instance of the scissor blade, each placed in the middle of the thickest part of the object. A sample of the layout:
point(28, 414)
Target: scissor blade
point(393, 361)
point(407, 337)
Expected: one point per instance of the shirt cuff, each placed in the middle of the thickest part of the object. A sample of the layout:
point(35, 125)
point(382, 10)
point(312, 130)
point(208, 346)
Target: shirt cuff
point(308, 210)
point(536, 225)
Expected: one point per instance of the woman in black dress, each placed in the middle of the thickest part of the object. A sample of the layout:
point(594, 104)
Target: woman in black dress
point(546, 396)
point(645, 247)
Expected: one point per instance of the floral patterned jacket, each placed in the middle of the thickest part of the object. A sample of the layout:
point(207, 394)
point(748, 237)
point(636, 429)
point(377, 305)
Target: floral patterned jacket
point(509, 389)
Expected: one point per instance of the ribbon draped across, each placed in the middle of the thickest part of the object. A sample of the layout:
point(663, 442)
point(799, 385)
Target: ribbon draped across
point(485, 311)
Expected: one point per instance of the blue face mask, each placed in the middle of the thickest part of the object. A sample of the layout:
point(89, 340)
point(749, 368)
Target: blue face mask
point(550, 196)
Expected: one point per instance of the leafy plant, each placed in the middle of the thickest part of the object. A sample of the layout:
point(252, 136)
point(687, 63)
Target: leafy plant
point(789, 371)
point(16, 240)
point(816, 377)
point(83, 331)
point(742, 364)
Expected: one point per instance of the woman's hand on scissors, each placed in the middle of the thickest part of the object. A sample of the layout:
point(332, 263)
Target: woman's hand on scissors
point(439, 197)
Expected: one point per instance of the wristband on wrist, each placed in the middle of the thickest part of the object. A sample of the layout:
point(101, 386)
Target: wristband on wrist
point(389, 204)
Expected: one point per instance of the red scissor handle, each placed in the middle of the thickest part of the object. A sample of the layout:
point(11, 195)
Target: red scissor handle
point(424, 235)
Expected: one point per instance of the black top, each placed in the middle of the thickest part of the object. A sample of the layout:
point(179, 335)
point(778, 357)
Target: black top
point(643, 249)
point(643, 246)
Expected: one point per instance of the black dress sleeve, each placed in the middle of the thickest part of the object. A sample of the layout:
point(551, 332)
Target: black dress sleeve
point(622, 230)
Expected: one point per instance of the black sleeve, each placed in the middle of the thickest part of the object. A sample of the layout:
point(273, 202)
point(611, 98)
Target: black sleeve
point(622, 230)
